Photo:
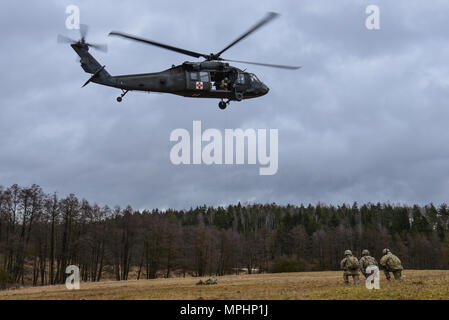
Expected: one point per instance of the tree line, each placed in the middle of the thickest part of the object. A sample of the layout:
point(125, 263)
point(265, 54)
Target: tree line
point(41, 234)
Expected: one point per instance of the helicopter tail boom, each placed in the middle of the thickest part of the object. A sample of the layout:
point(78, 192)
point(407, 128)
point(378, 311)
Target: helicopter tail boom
point(92, 66)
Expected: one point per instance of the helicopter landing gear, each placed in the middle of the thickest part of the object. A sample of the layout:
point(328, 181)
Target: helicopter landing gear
point(119, 99)
point(222, 104)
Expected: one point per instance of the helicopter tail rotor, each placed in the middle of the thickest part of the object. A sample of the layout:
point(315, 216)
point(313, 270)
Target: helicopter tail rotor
point(82, 42)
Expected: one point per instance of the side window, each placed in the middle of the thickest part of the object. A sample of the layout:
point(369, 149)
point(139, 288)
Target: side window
point(241, 78)
point(204, 76)
point(194, 76)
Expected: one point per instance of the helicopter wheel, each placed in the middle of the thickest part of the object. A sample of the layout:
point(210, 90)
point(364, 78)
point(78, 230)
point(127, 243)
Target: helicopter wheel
point(222, 105)
point(119, 98)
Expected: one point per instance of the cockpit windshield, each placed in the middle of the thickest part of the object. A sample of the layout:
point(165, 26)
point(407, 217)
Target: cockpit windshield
point(255, 82)
point(254, 78)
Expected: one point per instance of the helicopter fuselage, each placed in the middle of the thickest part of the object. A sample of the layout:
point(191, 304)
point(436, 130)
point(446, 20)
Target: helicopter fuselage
point(209, 79)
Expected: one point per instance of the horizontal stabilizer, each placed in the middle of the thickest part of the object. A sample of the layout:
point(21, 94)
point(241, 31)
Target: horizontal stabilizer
point(93, 76)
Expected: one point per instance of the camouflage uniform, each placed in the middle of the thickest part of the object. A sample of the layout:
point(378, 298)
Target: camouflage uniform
point(391, 263)
point(365, 261)
point(350, 270)
point(207, 282)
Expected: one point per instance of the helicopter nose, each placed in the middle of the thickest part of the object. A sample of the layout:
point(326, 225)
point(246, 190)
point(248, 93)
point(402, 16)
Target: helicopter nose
point(265, 90)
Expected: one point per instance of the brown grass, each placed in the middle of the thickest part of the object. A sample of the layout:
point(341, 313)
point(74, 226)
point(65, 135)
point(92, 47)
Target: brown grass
point(417, 284)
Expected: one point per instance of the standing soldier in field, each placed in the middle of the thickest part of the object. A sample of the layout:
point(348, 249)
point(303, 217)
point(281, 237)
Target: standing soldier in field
point(351, 267)
point(365, 261)
point(390, 263)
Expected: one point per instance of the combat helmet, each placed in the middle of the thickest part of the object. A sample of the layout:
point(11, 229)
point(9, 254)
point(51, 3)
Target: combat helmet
point(365, 252)
point(385, 251)
point(348, 252)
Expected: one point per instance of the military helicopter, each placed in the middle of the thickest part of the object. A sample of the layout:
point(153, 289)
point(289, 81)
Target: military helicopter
point(211, 78)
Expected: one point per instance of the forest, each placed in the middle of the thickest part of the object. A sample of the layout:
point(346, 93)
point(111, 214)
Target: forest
point(41, 234)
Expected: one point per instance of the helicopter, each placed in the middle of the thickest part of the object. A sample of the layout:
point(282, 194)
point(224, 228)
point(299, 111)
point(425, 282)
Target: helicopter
point(213, 77)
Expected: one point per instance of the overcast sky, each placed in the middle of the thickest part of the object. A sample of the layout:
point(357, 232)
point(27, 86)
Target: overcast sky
point(365, 119)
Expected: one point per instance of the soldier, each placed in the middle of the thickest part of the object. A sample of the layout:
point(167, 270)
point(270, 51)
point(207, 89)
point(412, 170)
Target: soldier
point(365, 261)
point(224, 84)
point(351, 267)
point(390, 263)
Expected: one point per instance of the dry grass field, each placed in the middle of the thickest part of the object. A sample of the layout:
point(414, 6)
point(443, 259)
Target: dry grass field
point(417, 284)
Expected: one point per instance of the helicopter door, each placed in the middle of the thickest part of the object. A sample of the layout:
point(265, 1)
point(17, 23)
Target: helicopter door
point(198, 81)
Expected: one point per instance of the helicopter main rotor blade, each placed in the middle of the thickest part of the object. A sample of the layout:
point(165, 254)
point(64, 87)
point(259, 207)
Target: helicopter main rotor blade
point(270, 16)
point(154, 43)
point(265, 64)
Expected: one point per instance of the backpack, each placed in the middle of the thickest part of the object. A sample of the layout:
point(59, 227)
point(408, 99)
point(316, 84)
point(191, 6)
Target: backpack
point(352, 263)
point(393, 263)
point(370, 261)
